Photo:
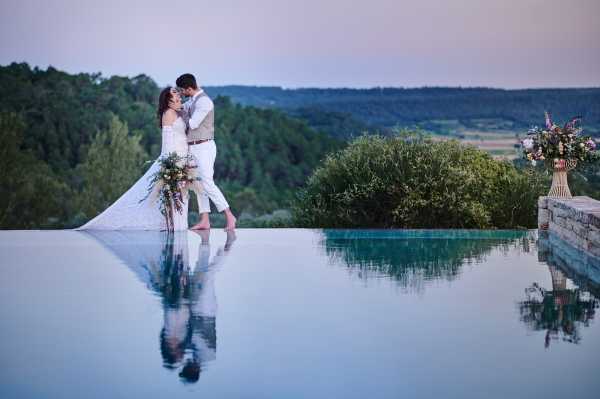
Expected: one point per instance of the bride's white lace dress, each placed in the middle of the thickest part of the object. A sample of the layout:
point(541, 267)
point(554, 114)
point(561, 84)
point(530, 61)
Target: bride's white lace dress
point(128, 213)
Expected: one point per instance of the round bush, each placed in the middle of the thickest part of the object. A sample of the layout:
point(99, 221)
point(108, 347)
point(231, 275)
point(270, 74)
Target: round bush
point(407, 181)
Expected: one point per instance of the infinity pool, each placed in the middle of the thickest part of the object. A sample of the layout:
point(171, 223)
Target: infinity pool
point(297, 314)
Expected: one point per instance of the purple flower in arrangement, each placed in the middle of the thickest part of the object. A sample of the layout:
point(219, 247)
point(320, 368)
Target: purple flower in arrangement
point(591, 144)
point(572, 124)
point(548, 120)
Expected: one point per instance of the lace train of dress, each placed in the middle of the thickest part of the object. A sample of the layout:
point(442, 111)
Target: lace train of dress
point(131, 211)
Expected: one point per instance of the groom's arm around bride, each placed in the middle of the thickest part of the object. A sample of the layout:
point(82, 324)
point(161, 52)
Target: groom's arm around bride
point(200, 136)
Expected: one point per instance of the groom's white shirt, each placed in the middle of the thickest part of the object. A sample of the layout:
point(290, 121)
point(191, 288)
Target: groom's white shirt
point(203, 106)
point(205, 154)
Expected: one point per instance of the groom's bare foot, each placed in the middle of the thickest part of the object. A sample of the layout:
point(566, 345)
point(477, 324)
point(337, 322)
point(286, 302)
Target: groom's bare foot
point(230, 225)
point(203, 225)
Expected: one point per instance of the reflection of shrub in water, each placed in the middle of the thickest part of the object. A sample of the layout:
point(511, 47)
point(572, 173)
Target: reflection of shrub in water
point(411, 262)
point(560, 311)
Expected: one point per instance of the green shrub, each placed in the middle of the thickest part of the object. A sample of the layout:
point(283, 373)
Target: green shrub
point(407, 181)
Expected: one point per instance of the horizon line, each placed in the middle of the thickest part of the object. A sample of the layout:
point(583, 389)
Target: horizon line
point(291, 87)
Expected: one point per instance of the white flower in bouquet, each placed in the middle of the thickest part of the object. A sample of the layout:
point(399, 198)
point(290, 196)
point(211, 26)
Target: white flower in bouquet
point(528, 144)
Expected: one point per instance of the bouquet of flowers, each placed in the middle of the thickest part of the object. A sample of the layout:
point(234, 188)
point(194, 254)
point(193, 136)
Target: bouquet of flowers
point(557, 145)
point(170, 181)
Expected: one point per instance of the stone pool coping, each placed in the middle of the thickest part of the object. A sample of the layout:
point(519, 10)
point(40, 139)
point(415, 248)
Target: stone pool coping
point(575, 220)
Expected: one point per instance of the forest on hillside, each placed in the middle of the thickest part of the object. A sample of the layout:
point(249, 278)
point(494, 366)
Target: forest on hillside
point(72, 144)
point(428, 108)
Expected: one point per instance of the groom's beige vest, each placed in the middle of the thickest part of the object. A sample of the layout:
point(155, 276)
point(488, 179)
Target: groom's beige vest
point(206, 130)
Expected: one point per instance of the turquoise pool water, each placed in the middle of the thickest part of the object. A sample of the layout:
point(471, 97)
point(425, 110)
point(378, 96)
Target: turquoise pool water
point(296, 314)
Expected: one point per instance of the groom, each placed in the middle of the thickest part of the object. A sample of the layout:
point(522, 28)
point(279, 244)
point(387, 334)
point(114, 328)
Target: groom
point(200, 116)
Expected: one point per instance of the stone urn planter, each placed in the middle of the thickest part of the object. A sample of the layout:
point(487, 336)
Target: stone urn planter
point(560, 186)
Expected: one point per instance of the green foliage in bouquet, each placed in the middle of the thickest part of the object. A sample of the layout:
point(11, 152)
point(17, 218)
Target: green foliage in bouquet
point(408, 181)
point(554, 144)
point(170, 182)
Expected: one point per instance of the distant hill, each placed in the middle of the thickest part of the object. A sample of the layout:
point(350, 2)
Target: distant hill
point(440, 109)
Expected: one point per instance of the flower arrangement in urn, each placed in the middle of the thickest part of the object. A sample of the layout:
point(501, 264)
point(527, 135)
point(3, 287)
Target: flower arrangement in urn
point(560, 148)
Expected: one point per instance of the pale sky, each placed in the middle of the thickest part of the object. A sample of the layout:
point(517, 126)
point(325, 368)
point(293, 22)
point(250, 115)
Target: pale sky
point(313, 43)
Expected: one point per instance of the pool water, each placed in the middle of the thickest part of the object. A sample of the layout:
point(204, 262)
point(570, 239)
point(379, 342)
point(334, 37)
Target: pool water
point(293, 313)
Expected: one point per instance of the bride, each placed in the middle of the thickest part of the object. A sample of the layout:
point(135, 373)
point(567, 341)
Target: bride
point(133, 211)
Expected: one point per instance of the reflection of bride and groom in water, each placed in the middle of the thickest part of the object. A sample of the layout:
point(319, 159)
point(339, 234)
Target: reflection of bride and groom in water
point(188, 339)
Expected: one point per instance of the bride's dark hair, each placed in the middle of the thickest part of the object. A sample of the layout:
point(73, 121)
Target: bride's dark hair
point(163, 103)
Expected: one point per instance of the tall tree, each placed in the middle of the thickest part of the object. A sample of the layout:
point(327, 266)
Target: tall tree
point(113, 163)
point(31, 195)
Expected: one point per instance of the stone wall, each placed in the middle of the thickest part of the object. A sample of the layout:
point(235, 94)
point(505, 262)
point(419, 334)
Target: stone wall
point(576, 220)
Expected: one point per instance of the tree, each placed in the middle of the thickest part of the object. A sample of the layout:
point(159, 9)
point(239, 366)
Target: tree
point(112, 165)
point(31, 195)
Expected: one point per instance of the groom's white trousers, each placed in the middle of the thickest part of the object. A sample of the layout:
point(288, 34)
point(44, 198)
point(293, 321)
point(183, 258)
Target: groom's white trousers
point(205, 187)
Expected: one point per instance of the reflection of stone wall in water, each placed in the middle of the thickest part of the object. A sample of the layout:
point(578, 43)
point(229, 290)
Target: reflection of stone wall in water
point(583, 266)
point(413, 260)
point(562, 311)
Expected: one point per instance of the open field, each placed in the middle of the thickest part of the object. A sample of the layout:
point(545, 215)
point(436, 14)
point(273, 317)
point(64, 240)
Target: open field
point(501, 144)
